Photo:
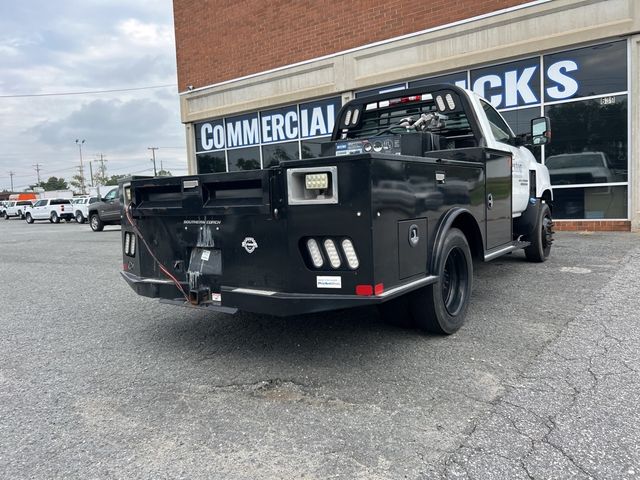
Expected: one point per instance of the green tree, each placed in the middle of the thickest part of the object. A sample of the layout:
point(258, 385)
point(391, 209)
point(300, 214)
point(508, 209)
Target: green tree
point(164, 173)
point(76, 182)
point(53, 183)
point(113, 180)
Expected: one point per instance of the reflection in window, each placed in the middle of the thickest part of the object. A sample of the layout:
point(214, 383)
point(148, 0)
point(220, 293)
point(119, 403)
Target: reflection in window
point(589, 141)
point(313, 148)
point(272, 155)
point(590, 202)
point(211, 162)
point(244, 159)
point(520, 122)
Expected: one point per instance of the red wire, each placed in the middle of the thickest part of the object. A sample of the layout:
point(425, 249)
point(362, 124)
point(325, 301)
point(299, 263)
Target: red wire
point(164, 270)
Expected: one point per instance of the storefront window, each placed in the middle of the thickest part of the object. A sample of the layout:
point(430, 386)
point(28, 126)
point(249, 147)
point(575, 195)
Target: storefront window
point(211, 163)
point(244, 159)
point(272, 155)
point(589, 141)
point(313, 148)
point(590, 202)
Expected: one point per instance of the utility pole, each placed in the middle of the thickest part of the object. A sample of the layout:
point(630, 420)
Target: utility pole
point(79, 143)
point(90, 174)
point(37, 167)
point(102, 169)
point(153, 151)
point(11, 174)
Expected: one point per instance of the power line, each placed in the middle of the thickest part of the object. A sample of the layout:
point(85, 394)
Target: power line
point(88, 92)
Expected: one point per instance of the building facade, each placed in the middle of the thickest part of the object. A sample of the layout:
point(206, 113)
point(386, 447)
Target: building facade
point(262, 82)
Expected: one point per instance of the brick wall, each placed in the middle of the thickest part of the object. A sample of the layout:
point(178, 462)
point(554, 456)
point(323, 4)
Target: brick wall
point(592, 225)
point(219, 40)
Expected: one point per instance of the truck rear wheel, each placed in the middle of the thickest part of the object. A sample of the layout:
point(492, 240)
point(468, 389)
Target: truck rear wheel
point(442, 307)
point(55, 218)
point(542, 236)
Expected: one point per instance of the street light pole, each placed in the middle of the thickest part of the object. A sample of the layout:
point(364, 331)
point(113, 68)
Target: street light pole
point(79, 143)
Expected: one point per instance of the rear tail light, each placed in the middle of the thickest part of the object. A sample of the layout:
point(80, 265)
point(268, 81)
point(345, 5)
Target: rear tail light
point(62, 208)
point(339, 251)
point(129, 244)
point(350, 254)
point(314, 251)
point(332, 253)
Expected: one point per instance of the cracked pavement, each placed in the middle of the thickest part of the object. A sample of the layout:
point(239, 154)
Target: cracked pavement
point(542, 382)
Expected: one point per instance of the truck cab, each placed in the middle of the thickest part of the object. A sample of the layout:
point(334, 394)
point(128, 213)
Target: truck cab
point(413, 185)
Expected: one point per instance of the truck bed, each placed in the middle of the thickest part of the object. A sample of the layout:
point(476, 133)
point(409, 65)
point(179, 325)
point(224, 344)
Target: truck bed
point(234, 241)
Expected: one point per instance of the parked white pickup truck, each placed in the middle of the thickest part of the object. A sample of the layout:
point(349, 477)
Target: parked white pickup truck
point(81, 207)
point(17, 209)
point(52, 209)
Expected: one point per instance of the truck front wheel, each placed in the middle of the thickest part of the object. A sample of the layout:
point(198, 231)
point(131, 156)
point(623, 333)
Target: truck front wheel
point(442, 307)
point(542, 236)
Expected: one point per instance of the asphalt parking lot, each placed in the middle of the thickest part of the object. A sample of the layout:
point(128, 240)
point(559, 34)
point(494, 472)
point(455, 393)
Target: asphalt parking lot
point(95, 382)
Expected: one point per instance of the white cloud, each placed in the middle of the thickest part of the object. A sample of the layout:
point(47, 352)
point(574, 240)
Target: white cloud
point(79, 46)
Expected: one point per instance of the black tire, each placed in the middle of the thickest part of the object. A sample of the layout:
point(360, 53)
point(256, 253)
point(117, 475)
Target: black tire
point(396, 312)
point(442, 307)
point(28, 218)
point(54, 218)
point(96, 224)
point(542, 236)
point(80, 218)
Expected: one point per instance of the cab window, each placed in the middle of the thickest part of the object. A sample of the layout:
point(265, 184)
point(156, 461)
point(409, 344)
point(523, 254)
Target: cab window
point(112, 194)
point(499, 128)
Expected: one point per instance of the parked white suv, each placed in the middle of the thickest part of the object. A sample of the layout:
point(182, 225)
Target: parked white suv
point(52, 209)
point(17, 209)
point(81, 207)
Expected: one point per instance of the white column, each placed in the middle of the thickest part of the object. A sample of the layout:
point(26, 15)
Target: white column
point(634, 105)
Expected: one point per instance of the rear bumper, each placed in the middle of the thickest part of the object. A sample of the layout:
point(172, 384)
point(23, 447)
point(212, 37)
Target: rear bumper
point(269, 302)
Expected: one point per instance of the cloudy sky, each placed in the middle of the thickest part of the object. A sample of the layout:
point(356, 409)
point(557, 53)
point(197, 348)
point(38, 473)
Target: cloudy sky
point(85, 46)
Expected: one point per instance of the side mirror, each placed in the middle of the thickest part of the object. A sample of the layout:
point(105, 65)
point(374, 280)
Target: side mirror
point(540, 131)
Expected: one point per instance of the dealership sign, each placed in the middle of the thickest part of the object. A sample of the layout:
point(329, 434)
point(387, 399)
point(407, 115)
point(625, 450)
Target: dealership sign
point(576, 73)
point(307, 120)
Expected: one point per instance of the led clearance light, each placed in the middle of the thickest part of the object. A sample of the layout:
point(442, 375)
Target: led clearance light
point(427, 96)
point(347, 117)
point(356, 114)
point(371, 106)
point(350, 254)
point(440, 103)
point(316, 181)
point(132, 249)
point(314, 251)
point(332, 253)
point(384, 103)
point(127, 243)
point(450, 101)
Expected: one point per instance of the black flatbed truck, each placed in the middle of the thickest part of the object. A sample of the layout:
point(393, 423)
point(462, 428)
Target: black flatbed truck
point(411, 187)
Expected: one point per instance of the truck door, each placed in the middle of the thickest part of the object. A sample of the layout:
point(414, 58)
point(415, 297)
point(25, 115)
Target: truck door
point(498, 199)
